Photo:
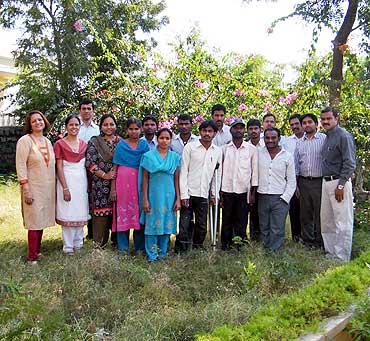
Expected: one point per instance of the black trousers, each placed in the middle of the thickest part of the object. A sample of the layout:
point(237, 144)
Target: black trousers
point(89, 229)
point(295, 217)
point(254, 222)
point(310, 201)
point(234, 218)
point(192, 235)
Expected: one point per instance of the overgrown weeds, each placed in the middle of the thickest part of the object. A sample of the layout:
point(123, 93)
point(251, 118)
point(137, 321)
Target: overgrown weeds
point(102, 295)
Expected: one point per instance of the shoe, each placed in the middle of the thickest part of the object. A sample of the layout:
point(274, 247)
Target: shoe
point(32, 262)
point(70, 253)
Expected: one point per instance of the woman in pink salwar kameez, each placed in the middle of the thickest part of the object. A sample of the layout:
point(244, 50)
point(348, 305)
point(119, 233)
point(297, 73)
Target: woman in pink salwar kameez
point(127, 157)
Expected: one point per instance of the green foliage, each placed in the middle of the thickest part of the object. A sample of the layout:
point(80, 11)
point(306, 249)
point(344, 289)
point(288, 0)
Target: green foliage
point(57, 54)
point(359, 327)
point(288, 317)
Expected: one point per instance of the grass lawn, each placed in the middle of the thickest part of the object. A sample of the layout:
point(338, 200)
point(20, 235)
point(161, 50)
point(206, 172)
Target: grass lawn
point(102, 295)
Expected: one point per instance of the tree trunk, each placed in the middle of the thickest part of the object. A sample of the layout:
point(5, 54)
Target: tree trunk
point(336, 74)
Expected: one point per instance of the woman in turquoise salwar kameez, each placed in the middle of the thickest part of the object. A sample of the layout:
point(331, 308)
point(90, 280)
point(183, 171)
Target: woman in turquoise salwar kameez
point(160, 195)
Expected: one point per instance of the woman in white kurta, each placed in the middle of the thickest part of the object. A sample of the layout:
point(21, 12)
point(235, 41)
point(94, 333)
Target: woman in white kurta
point(35, 164)
point(72, 199)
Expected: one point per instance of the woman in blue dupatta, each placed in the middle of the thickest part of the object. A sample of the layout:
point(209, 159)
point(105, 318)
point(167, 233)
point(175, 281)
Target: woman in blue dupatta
point(160, 195)
point(124, 191)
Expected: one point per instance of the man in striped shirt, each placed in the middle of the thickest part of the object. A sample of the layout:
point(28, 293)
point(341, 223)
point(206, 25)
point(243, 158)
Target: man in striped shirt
point(308, 165)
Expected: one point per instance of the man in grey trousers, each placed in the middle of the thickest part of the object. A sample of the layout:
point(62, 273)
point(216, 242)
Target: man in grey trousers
point(276, 186)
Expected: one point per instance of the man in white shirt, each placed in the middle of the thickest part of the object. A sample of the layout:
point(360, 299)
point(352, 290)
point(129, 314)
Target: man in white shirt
point(198, 167)
point(239, 183)
point(185, 136)
point(88, 129)
point(223, 135)
point(289, 145)
point(150, 126)
point(276, 186)
point(254, 136)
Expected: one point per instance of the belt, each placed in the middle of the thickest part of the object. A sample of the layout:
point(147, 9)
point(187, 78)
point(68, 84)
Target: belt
point(331, 177)
point(311, 177)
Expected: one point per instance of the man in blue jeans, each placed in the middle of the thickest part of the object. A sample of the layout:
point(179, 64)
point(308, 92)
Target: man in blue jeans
point(276, 186)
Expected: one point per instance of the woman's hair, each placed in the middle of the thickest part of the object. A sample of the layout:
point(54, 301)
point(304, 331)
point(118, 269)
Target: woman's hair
point(104, 117)
point(133, 120)
point(160, 131)
point(69, 117)
point(27, 121)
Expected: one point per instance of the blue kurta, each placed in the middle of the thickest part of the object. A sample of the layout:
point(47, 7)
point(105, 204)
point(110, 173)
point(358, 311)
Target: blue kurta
point(161, 192)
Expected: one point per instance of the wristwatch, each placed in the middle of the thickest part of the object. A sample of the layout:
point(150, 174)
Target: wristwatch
point(340, 187)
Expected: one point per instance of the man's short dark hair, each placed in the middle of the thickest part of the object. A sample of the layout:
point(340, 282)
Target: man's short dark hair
point(330, 109)
point(207, 124)
point(86, 101)
point(295, 116)
point(184, 117)
point(253, 122)
point(311, 116)
point(218, 107)
point(268, 115)
point(149, 118)
point(273, 129)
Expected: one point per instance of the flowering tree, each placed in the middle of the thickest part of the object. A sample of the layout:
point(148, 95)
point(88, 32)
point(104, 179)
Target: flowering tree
point(57, 54)
point(194, 81)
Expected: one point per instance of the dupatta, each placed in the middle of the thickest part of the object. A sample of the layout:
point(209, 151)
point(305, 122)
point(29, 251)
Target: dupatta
point(103, 148)
point(124, 155)
point(153, 162)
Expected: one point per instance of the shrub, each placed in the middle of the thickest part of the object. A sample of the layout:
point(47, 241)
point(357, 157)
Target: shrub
point(290, 316)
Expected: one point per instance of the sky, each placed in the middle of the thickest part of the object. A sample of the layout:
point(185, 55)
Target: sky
point(231, 25)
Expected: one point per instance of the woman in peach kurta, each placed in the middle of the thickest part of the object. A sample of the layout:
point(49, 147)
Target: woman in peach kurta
point(35, 164)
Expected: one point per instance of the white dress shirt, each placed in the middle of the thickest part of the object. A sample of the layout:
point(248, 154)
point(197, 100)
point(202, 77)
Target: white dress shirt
point(259, 145)
point(177, 144)
point(276, 176)
point(197, 170)
point(240, 168)
point(87, 132)
point(223, 136)
point(290, 143)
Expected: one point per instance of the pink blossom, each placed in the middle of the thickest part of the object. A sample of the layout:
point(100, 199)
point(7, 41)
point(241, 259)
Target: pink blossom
point(270, 30)
point(129, 101)
point(199, 119)
point(198, 83)
point(288, 99)
point(231, 119)
point(78, 26)
point(156, 67)
point(165, 124)
point(242, 107)
point(267, 107)
point(238, 93)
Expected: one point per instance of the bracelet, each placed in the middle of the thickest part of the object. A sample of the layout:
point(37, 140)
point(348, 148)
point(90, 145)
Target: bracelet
point(65, 189)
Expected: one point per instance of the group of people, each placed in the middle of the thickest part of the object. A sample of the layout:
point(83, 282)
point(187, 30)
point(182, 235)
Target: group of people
point(94, 177)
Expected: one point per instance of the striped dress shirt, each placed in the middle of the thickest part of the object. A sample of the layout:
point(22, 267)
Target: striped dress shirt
point(308, 156)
